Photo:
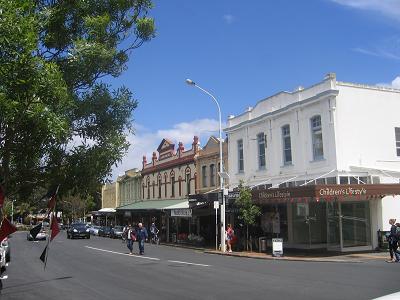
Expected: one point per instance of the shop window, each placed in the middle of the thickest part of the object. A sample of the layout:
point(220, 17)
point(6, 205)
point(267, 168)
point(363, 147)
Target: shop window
point(320, 181)
point(363, 180)
point(397, 134)
point(286, 145)
point(316, 134)
point(261, 150)
point(353, 180)
point(240, 156)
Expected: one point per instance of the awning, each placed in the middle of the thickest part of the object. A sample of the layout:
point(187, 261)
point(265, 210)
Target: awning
point(325, 193)
point(156, 205)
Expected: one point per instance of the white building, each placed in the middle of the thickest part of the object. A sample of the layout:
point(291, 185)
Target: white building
point(330, 133)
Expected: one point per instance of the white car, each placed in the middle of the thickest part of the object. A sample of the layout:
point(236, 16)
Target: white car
point(94, 230)
point(6, 245)
point(41, 236)
point(2, 259)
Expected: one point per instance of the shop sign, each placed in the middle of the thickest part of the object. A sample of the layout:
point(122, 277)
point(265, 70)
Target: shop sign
point(233, 195)
point(216, 204)
point(183, 212)
point(348, 191)
point(277, 247)
point(127, 214)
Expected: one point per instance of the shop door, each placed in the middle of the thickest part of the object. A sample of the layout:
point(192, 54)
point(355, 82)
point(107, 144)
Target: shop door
point(333, 226)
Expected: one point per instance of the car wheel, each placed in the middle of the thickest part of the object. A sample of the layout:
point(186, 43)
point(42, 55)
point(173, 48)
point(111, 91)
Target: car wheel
point(67, 236)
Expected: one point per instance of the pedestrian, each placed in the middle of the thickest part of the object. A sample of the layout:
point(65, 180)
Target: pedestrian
point(130, 238)
point(393, 242)
point(142, 236)
point(229, 237)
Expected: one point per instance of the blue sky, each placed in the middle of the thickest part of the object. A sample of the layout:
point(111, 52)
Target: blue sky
point(245, 51)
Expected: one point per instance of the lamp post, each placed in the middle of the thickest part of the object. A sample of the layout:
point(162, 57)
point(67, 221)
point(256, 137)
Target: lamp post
point(222, 209)
point(12, 211)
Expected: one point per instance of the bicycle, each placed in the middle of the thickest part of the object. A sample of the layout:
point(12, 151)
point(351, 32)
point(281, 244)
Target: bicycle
point(155, 239)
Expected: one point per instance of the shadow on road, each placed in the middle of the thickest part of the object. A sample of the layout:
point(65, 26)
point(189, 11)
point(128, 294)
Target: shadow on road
point(33, 282)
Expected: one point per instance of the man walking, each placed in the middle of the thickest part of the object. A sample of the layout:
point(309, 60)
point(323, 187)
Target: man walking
point(141, 237)
point(130, 238)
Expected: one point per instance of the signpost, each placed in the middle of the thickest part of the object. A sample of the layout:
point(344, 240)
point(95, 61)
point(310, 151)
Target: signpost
point(216, 205)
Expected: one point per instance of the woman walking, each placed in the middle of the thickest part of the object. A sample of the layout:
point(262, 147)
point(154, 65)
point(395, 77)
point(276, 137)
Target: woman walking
point(393, 242)
point(130, 238)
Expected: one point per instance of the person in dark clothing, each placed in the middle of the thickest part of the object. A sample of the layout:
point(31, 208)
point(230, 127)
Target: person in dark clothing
point(130, 237)
point(142, 236)
point(393, 242)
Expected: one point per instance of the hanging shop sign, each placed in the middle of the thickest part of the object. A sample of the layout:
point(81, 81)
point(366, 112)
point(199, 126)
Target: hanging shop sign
point(182, 212)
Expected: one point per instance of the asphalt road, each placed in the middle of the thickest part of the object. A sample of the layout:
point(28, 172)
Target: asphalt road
point(100, 268)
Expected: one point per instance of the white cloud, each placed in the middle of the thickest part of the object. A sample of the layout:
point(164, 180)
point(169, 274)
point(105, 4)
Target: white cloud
point(229, 19)
point(394, 84)
point(144, 142)
point(386, 7)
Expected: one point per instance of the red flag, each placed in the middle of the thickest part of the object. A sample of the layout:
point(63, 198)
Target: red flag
point(6, 229)
point(52, 203)
point(1, 196)
point(55, 229)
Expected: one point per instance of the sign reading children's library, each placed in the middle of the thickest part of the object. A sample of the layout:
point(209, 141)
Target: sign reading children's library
point(183, 212)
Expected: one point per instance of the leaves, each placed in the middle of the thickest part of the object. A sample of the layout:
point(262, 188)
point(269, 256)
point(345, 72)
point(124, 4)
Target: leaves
point(58, 122)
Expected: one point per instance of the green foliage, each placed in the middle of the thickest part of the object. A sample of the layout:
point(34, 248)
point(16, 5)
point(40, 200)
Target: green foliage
point(247, 209)
point(58, 122)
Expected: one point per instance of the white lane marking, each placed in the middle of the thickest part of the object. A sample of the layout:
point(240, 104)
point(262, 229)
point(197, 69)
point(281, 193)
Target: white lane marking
point(131, 255)
point(188, 263)
point(4, 277)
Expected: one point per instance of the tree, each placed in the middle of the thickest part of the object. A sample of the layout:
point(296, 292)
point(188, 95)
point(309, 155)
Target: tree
point(59, 123)
point(248, 211)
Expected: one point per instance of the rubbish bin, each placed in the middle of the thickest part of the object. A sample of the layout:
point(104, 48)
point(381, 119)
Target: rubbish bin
point(262, 244)
point(382, 239)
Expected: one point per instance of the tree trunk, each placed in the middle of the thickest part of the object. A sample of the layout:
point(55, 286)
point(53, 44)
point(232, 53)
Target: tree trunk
point(247, 237)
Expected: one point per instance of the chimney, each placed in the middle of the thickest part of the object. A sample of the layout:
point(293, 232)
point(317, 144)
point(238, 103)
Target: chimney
point(154, 158)
point(195, 145)
point(144, 161)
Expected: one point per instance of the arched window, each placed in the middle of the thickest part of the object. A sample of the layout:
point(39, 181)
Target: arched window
point(212, 175)
point(187, 179)
point(154, 186)
point(165, 185)
point(172, 183)
point(148, 187)
point(180, 185)
point(159, 185)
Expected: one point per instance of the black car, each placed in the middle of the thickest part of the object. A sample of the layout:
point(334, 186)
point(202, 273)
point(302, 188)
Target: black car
point(105, 231)
point(78, 230)
point(116, 232)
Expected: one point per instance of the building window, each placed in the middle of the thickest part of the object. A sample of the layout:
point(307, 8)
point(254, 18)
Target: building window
point(154, 186)
point(286, 145)
point(212, 175)
point(204, 176)
point(397, 133)
point(188, 184)
point(165, 185)
point(316, 132)
point(159, 187)
point(261, 150)
point(148, 188)
point(172, 184)
point(240, 156)
point(180, 185)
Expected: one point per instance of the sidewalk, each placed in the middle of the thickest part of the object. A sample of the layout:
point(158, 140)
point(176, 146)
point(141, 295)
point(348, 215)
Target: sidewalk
point(291, 255)
point(323, 257)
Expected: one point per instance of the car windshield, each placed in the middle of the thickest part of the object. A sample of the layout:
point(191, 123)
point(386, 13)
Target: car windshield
point(79, 226)
point(118, 228)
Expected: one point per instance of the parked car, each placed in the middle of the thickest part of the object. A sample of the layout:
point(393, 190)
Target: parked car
point(6, 244)
point(116, 232)
point(105, 231)
point(94, 230)
point(2, 259)
point(78, 230)
point(41, 236)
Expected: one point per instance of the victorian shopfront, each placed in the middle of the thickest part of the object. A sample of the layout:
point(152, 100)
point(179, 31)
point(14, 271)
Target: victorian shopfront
point(332, 217)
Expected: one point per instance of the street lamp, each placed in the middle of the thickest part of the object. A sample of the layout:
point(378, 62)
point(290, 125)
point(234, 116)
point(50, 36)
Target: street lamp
point(12, 211)
point(221, 168)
